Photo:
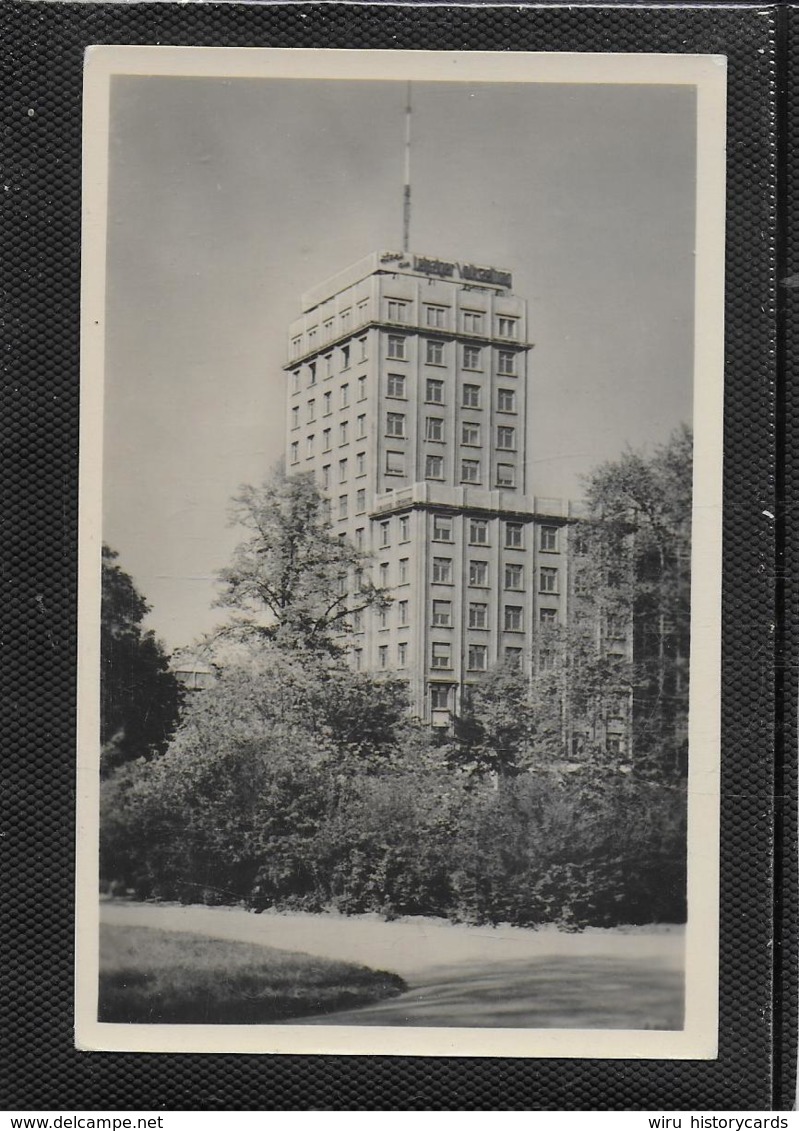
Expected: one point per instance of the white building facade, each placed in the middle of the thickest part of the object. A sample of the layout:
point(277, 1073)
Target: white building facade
point(409, 394)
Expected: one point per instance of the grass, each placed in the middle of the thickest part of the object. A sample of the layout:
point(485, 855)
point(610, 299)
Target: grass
point(155, 977)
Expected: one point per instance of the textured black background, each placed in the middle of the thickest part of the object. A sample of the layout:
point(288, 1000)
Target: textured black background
point(41, 89)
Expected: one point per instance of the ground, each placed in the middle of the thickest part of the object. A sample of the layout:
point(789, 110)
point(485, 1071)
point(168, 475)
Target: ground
point(625, 978)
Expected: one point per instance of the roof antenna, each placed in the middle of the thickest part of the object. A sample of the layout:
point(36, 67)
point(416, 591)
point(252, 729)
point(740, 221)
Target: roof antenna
point(406, 191)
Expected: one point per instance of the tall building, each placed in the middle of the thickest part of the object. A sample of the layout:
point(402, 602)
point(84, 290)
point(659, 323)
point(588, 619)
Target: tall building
point(408, 399)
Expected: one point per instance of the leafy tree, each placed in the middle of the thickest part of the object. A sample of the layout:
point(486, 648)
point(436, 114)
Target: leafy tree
point(140, 697)
point(495, 730)
point(632, 582)
point(299, 583)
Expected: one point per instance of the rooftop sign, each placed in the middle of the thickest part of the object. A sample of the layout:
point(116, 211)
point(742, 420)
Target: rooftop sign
point(468, 272)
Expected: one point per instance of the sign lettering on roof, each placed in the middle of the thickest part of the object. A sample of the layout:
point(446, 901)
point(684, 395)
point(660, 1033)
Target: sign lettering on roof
point(468, 272)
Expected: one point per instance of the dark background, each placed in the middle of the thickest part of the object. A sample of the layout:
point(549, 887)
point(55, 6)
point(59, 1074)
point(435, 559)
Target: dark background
point(42, 53)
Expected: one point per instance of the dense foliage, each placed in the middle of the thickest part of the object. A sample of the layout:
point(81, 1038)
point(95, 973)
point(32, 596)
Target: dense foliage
point(140, 696)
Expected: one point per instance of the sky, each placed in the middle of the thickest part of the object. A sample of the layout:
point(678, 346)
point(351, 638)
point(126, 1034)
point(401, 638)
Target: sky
point(228, 198)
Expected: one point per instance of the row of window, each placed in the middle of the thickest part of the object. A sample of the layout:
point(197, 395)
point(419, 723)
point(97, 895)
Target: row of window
point(439, 317)
point(437, 353)
point(331, 326)
point(434, 430)
point(471, 395)
point(441, 660)
point(479, 532)
point(310, 412)
point(326, 365)
point(441, 617)
point(442, 574)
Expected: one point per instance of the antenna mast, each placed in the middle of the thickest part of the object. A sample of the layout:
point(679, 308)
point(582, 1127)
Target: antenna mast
point(406, 191)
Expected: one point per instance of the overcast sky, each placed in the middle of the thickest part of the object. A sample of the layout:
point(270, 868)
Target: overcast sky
point(229, 198)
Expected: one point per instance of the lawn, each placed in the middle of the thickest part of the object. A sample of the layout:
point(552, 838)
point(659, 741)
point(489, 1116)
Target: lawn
point(154, 977)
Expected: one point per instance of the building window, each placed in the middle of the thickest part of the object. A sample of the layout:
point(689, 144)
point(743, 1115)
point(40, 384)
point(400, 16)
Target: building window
point(470, 434)
point(363, 310)
point(513, 658)
point(345, 319)
point(327, 404)
point(383, 574)
point(442, 614)
point(470, 471)
point(434, 428)
point(345, 357)
point(507, 327)
point(513, 618)
point(403, 570)
point(478, 615)
point(312, 373)
point(514, 575)
point(442, 528)
point(435, 316)
point(478, 531)
point(362, 342)
point(326, 477)
point(506, 438)
point(360, 500)
point(472, 322)
point(478, 574)
point(311, 416)
point(478, 657)
point(345, 396)
point(442, 657)
point(396, 346)
point(514, 535)
point(309, 446)
point(361, 434)
point(548, 539)
point(295, 451)
point(382, 656)
point(434, 352)
point(547, 580)
point(402, 613)
point(434, 467)
point(361, 388)
point(382, 618)
point(312, 337)
point(395, 424)
point(434, 391)
point(506, 475)
point(296, 347)
point(439, 696)
point(396, 385)
point(326, 440)
point(295, 381)
point(506, 400)
point(327, 329)
point(506, 363)
point(395, 463)
point(357, 620)
point(472, 357)
point(328, 365)
point(343, 432)
point(471, 396)
point(402, 655)
point(397, 311)
point(359, 535)
point(295, 416)
point(548, 617)
point(404, 528)
point(442, 571)
point(385, 533)
point(342, 471)
point(342, 506)
point(360, 463)
point(357, 658)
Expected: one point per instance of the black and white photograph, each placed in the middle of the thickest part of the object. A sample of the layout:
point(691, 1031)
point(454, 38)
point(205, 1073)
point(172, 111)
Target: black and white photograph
point(400, 564)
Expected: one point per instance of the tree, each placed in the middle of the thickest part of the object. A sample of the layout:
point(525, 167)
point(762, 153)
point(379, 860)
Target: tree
point(632, 578)
point(298, 582)
point(140, 697)
point(496, 727)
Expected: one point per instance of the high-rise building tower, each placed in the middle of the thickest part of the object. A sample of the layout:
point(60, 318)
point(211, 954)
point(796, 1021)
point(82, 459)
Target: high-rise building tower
point(408, 400)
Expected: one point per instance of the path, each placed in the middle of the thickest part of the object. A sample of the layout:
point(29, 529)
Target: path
point(466, 976)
